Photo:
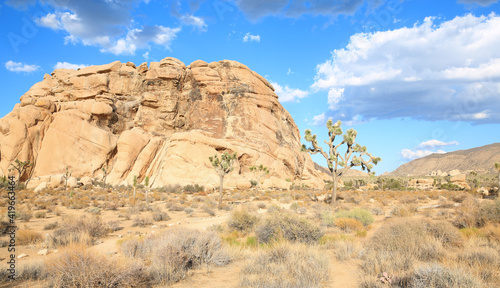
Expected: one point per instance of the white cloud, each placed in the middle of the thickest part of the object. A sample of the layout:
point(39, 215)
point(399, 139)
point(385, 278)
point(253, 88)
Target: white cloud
point(483, 3)
point(290, 72)
point(194, 21)
point(256, 9)
point(436, 143)
point(287, 94)
point(20, 67)
point(50, 21)
point(251, 38)
point(67, 65)
point(448, 70)
point(409, 155)
point(107, 24)
point(319, 119)
point(146, 55)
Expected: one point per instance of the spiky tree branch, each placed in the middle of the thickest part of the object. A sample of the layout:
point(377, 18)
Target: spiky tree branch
point(20, 167)
point(338, 164)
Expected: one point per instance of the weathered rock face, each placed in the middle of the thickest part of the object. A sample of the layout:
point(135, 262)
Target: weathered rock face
point(161, 121)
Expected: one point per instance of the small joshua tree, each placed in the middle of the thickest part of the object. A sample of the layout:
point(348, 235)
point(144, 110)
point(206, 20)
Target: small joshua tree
point(223, 167)
point(66, 177)
point(497, 166)
point(104, 175)
point(338, 164)
point(135, 184)
point(259, 172)
point(20, 167)
point(146, 183)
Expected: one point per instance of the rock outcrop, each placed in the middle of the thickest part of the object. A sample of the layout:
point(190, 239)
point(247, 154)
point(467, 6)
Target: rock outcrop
point(161, 121)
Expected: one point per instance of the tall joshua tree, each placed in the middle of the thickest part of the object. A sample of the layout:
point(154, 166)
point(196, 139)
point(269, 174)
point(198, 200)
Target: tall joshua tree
point(338, 164)
point(223, 167)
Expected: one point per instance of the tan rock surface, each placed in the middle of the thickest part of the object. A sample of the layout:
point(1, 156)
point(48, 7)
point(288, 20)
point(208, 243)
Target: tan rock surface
point(163, 122)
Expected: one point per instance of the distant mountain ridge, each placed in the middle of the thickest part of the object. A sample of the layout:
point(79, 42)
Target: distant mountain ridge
point(480, 160)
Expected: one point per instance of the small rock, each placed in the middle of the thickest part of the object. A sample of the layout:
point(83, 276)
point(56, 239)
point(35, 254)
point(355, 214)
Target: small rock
point(372, 200)
point(120, 236)
point(154, 226)
point(111, 253)
point(43, 252)
point(22, 256)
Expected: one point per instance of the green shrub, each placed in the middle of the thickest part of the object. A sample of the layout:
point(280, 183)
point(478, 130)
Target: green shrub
point(193, 188)
point(362, 215)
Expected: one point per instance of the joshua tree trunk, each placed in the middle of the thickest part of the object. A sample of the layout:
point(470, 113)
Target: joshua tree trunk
point(334, 189)
point(134, 191)
point(221, 190)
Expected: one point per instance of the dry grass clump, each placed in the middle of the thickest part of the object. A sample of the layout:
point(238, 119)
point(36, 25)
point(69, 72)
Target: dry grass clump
point(437, 276)
point(285, 266)
point(396, 247)
point(348, 225)
point(27, 237)
point(241, 220)
point(288, 226)
point(469, 214)
point(141, 221)
point(76, 266)
point(83, 230)
point(170, 255)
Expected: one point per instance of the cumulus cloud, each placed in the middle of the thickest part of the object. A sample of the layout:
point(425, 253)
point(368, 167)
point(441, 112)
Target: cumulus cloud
point(436, 143)
point(319, 119)
point(287, 94)
point(105, 24)
point(67, 65)
point(251, 38)
point(20, 67)
point(409, 155)
point(483, 3)
point(255, 9)
point(431, 71)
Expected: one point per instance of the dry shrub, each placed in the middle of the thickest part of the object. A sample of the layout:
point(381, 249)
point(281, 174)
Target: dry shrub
point(285, 266)
point(401, 211)
point(446, 233)
point(27, 237)
point(171, 254)
point(83, 230)
point(345, 250)
point(288, 226)
point(348, 224)
point(241, 220)
point(484, 262)
point(40, 214)
point(76, 266)
point(140, 221)
point(437, 276)
point(396, 246)
point(469, 214)
point(31, 270)
point(159, 215)
point(362, 215)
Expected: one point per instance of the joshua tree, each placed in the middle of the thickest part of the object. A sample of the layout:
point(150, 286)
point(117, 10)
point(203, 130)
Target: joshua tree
point(146, 183)
point(338, 164)
point(497, 166)
point(104, 175)
point(259, 171)
point(66, 177)
point(223, 167)
point(20, 167)
point(135, 184)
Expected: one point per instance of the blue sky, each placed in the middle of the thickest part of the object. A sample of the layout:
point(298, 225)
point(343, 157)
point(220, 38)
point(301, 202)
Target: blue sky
point(413, 77)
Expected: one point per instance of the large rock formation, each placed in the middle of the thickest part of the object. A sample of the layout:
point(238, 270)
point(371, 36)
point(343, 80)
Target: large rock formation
point(161, 121)
point(480, 160)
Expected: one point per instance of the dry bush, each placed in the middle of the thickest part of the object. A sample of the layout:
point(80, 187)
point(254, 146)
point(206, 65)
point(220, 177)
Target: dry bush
point(484, 262)
point(159, 215)
point(171, 254)
point(40, 214)
point(345, 250)
point(141, 221)
point(445, 233)
point(81, 230)
point(285, 266)
point(288, 226)
point(27, 237)
point(437, 276)
point(395, 247)
point(76, 266)
point(469, 214)
point(31, 270)
point(403, 211)
point(25, 215)
point(242, 220)
point(362, 215)
point(348, 225)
